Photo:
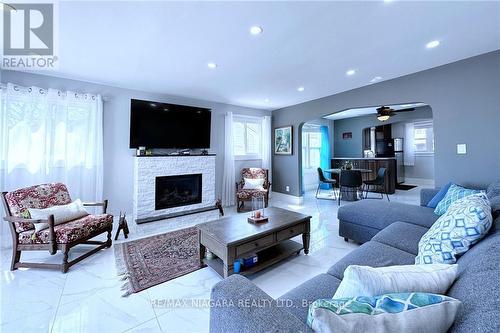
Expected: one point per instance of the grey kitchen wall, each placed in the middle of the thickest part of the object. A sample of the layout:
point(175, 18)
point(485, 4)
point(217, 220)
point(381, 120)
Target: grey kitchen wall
point(118, 158)
point(354, 147)
point(465, 100)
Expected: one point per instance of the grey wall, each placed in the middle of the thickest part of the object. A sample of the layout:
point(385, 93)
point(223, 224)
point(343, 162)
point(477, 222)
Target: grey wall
point(354, 147)
point(118, 158)
point(423, 167)
point(465, 100)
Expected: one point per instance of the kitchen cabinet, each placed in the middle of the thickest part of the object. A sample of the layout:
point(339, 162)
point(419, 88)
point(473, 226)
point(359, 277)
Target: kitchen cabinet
point(372, 164)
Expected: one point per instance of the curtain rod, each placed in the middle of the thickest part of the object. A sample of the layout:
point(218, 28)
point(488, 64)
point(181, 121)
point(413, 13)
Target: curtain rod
point(43, 91)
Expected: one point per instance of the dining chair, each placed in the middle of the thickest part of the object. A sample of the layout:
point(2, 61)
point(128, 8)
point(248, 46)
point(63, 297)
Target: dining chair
point(349, 183)
point(377, 183)
point(323, 180)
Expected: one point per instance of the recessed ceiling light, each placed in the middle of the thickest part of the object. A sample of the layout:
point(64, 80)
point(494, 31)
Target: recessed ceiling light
point(351, 72)
point(432, 44)
point(212, 65)
point(386, 1)
point(266, 100)
point(256, 30)
point(300, 88)
point(376, 79)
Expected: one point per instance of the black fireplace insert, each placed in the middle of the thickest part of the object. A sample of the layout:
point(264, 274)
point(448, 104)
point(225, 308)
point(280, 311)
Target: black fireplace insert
point(176, 191)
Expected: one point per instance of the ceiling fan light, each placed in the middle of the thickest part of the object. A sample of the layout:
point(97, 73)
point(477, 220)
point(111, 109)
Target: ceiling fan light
point(383, 117)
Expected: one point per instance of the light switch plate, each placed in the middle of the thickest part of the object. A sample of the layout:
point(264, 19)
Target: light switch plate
point(461, 149)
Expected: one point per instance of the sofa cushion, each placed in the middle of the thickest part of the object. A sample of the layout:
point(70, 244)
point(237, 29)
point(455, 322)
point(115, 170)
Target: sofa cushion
point(478, 287)
point(455, 192)
point(62, 214)
point(247, 194)
point(298, 299)
point(493, 193)
point(401, 235)
point(373, 281)
point(373, 254)
point(379, 214)
point(465, 223)
point(70, 231)
point(388, 313)
point(38, 196)
point(439, 196)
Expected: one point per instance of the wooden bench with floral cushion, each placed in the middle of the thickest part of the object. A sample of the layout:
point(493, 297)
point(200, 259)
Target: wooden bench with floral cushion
point(243, 194)
point(56, 237)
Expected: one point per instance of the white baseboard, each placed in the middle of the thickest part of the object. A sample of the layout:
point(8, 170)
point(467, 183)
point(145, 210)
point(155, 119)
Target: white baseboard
point(288, 198)
point(419, 181)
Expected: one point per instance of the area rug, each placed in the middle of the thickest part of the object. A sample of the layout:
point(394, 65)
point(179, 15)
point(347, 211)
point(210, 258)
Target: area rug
point(149, 261)
point(405, 187)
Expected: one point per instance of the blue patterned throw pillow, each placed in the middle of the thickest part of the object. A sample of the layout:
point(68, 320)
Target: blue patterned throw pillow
point(454, 193)
point(466, 222)
point(398, 312)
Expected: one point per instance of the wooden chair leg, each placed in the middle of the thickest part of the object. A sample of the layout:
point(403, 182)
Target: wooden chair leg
point(108, 241)
point(340, 194)
point(16, 257)
point(65, 266)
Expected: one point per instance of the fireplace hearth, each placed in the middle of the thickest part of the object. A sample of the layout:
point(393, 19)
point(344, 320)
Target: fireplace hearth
point(179, 190)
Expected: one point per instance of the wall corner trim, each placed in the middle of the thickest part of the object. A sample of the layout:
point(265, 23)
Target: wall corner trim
point(288, 198)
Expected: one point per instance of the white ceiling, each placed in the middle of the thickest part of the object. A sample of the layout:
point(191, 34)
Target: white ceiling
point(164, 47)
point(359, 112)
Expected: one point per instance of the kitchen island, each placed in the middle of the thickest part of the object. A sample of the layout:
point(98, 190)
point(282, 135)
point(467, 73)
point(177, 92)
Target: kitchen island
point(373, 164)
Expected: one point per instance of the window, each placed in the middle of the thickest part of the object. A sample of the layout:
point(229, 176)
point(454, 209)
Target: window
point(423, 137)
point(311, 150)
point(247, 134)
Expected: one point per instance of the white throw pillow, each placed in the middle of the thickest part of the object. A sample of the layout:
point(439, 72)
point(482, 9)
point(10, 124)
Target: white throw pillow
point(253, 184)
point(369, 281)
point(390, 313)
point(62, 213)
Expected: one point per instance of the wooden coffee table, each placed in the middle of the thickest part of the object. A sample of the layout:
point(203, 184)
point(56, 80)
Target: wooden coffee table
point(233, 237)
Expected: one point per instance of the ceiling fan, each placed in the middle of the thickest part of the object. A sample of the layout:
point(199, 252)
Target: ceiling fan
point(385, 112)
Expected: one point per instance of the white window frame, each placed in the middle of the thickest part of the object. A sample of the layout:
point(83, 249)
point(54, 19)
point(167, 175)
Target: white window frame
point(246, 120)
point(306, 161)
point(429, 140)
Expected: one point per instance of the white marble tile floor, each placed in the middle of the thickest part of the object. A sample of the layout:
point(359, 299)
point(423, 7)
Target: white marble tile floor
point(88, 298)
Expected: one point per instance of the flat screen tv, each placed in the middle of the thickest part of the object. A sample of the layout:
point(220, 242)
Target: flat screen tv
point(162, 125)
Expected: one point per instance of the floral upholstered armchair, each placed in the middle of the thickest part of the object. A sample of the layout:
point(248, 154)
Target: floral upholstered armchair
point(254, 183)
point(62, 236)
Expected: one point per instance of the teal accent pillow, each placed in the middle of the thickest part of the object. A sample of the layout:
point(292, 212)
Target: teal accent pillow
point(454, 193)
point(439, 196)
point(464, 224)
point(396, 312)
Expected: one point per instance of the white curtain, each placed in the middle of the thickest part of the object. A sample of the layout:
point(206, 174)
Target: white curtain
point(228, 181)
point(266, 145)
point(51, 136)
point(409, 145)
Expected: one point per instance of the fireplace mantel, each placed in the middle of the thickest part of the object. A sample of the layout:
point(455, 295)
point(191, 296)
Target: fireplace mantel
point(147, 169)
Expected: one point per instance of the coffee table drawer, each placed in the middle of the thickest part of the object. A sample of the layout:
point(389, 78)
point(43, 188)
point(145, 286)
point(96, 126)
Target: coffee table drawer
point(254, 245)
point(290, 232)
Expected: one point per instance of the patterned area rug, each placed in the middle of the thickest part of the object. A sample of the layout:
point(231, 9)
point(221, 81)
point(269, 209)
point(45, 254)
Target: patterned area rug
point(146, 262)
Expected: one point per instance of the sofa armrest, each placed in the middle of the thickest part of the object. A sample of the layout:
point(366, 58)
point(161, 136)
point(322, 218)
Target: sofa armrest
point(238, 305)
point(426, 194)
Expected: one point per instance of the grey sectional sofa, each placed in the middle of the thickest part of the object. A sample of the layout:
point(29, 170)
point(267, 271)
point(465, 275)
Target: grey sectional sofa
point(240, 306)
point(361, 220)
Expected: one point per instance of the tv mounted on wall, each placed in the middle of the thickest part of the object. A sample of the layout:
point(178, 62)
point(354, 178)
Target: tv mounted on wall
point(162, 125)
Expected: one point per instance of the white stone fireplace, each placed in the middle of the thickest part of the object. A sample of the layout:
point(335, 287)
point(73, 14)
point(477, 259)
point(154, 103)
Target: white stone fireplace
point(156, 173)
